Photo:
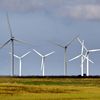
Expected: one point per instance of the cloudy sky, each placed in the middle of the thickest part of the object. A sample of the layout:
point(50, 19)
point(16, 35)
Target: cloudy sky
point(40, 21)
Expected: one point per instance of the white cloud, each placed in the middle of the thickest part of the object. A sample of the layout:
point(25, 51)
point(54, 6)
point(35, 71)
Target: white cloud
point(77, 9)
point(81, 11)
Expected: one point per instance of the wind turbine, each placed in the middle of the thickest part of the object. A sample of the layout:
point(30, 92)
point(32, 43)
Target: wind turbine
point(43, 59)
point(87, 54)
point(65, 53)
point(11, 40)
point(20, 61)
point(82, 58)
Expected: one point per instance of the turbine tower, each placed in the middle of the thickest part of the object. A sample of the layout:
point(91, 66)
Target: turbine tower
point(82, 58)
point(65, 53)
point(43, 60)
point(20, 61)
point(11, 40)
point(12, 45)
point(87, 54)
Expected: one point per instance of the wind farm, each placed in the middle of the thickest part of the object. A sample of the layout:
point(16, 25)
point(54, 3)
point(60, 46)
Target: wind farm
point(49, 50)
point(84, 55)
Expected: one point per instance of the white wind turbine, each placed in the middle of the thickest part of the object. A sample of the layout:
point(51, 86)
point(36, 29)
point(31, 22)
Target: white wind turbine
point(43, 60)
point(20, 61)
point(82, 58)
point(65, 53)
point(87, 54)
point(11, 40)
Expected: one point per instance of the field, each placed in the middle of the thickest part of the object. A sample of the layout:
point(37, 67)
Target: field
point(49, 88)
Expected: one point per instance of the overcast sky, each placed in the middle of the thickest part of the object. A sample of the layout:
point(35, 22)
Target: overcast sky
point(41, 21)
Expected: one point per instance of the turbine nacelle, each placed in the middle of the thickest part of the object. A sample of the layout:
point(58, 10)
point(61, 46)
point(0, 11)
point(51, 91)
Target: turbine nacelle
point(66, 47)
point(12, 38)
point(88, 53)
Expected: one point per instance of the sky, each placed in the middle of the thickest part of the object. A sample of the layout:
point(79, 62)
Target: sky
point(40, 21)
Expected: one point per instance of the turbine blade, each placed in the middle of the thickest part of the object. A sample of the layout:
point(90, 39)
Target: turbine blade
point(9, 26)
point(82, 49)
point(25, 54)
point(95, 50)
point(23, 42)
point(49, 54)
point(70, 42)
point(75, 57)
point(5, 44)
point(57, 44)
point(88, 59)
point(38, 53)
point(86, 54)
point(81, 43)
point(15, 55)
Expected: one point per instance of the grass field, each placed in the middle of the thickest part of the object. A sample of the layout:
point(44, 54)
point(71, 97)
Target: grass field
point(49, 88)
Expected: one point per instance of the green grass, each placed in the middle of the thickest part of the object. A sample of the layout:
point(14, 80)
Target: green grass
point(49, 88)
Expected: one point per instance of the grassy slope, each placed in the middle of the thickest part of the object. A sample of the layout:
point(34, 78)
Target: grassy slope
point(49, 88)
